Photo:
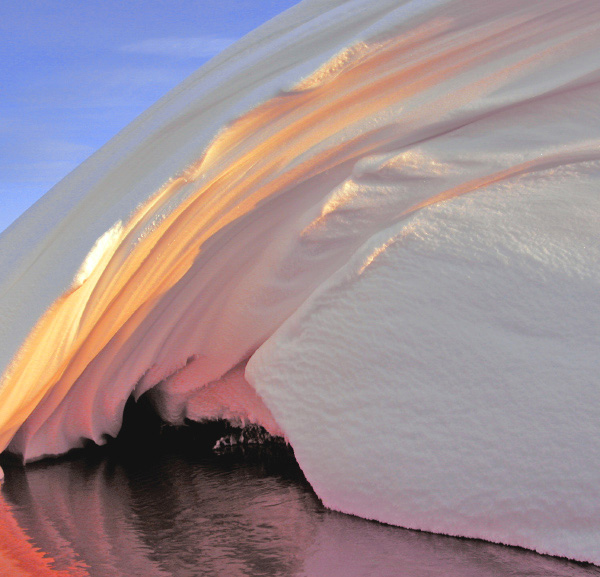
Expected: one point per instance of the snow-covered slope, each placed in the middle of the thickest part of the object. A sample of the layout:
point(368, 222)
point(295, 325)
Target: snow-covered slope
point(371, 227)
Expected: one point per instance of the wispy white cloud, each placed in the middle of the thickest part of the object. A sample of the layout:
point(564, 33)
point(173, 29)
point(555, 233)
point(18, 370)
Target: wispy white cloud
point(198, 47)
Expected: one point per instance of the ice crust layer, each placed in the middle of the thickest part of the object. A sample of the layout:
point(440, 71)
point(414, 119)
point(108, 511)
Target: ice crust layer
point(371, 227)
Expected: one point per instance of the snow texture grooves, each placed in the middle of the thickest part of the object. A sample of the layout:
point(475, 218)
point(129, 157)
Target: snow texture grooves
point(371, 227)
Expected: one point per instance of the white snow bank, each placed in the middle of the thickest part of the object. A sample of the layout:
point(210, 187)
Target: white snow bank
point(391, 209)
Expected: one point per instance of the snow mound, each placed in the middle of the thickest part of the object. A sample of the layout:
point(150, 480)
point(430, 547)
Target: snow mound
point(371, 227)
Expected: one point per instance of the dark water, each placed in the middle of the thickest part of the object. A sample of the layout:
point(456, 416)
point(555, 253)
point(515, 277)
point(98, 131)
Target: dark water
point(178, 513)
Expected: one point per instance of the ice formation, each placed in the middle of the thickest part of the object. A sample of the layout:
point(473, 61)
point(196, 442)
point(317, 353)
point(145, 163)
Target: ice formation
point(369, 226)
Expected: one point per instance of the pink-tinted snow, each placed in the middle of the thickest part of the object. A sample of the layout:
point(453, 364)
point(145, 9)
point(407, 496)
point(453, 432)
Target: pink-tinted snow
point(389, 210)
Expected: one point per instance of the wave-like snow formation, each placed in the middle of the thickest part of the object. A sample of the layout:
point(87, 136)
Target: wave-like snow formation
point(371, 227)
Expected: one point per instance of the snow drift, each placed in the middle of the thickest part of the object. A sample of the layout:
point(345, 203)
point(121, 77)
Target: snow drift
point(371, 227)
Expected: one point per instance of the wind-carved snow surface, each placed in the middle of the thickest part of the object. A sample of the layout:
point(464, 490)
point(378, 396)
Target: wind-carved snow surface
point(371, 227)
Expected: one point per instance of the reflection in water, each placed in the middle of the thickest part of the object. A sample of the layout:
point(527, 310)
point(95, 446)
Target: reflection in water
point(186, 515)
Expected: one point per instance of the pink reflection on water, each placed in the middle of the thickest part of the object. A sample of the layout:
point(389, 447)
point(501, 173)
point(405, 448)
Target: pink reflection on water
point(20, 557)
point(180, 516)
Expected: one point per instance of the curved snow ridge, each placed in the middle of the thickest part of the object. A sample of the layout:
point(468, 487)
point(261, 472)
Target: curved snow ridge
point(369, 227)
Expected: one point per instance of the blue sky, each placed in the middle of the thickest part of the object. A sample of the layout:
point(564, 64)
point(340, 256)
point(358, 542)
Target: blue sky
point(74, 73)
